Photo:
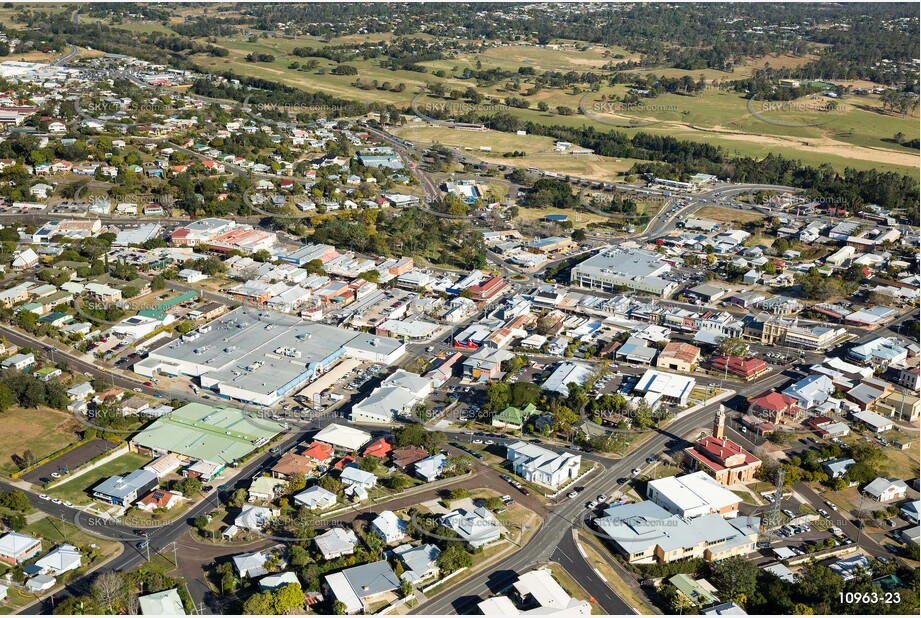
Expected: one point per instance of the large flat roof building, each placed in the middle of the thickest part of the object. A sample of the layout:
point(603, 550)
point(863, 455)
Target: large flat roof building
point(260, 356)
point(692, 495)
point(218, 435)
point(617, 267)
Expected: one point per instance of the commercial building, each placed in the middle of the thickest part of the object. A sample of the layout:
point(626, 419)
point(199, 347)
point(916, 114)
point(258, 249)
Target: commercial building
point(396, 396)
point(616, 268)
point(775, 407)
point(882, 351)
point(343, 437)
point(124, 490)
point(667, 387)
point(883, 489)
point(261, 356)
point(644, 532)
point(219, 435)
point(693, 495)
point(565, 374)
point(745, 368)
point(678, 356)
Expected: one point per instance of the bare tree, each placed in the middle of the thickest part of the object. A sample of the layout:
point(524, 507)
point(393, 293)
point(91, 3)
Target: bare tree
point(109, 590)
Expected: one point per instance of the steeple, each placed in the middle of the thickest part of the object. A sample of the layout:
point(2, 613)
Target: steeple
point(719, 422)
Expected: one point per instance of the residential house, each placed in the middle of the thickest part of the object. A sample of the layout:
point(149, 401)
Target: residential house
point(251, 565)
point(60, 560)
point(419, 563)
point(159, 499)
point(16, 548)
point(336, 542)
point(477, 528)
point(431, 468)
point(389, 527)
point(361, 586)
point(163, 603)
point(316, 498)
point(265, 488)
point(353, 475)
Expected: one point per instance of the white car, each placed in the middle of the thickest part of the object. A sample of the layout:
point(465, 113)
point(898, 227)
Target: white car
point(477, 441)
point(69, 505)
point(591, 505)
point(56, 501)
point(635, 471)
point(572, 494)
point(55, 475)
point(45, 497)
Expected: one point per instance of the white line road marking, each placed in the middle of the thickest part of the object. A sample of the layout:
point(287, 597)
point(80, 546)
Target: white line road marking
point(598, 573)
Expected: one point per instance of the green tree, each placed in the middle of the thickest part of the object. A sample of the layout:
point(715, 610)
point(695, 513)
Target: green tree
point(733, 346)
point(498, 396)
point(260, 603)
point(736, 578)
point(286, 598)
point(453, 558)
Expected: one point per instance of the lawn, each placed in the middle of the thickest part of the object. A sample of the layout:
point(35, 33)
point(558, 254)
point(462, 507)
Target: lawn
point(54, 532)
point(76, 490)
point(43, 431)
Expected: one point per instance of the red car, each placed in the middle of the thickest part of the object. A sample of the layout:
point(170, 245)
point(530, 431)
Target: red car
point(148, 383)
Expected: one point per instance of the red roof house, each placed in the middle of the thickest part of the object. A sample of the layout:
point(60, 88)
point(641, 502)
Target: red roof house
point(379, 448)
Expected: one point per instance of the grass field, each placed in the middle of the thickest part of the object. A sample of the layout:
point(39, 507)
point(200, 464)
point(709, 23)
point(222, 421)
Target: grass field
point(855, 135)
point(77, 490)
point(540, 151)
point(43, 431)
point(727, 215)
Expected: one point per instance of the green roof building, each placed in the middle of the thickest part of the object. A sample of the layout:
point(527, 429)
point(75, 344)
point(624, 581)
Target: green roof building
point(219, 435)
point(699, 592)
point(513, 417)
